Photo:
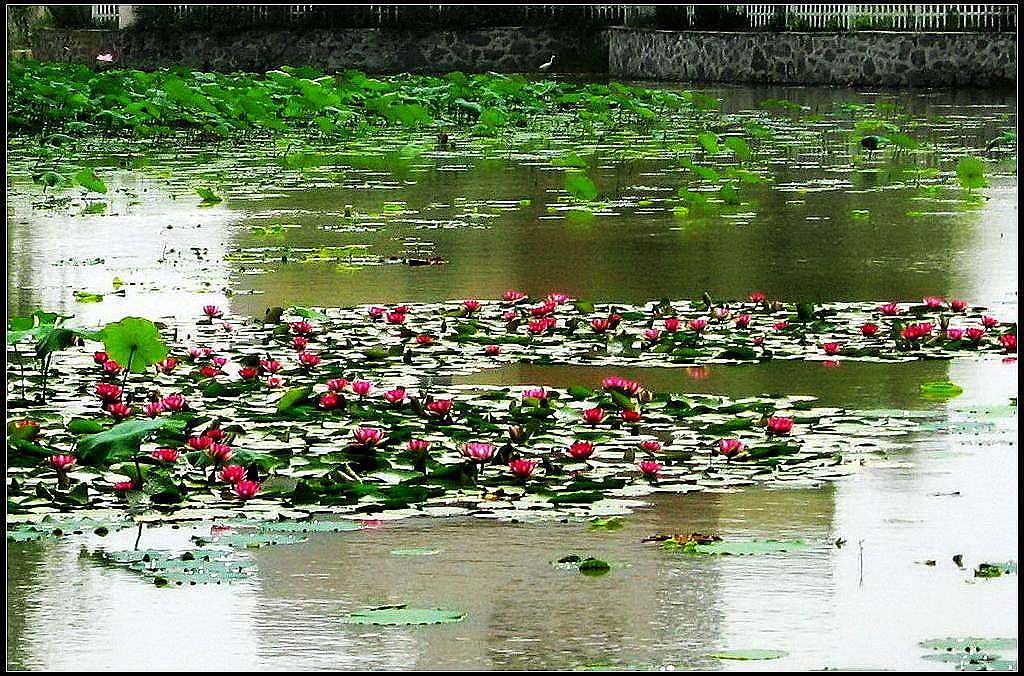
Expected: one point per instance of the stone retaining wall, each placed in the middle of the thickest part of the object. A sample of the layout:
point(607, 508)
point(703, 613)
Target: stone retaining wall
point(880, 58)
point(506, 50)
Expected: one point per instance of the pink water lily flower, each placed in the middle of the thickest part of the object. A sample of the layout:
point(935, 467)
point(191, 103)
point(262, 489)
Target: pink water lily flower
point(219, 361)
point(652, 335)
point(958, 305)
point(309, 359)
point(124, 486)
point(470, 305)
point(478, 451)
point(100, 357)
point(869, 330)
point(152, 408)
point(174, 402)
point(246, 489)
point(368, 436)
point(249, 373)
point(975, 334)
point(492, 350)
point(651, 445)
point(523, 469)
point(376, 312)
point(216, 434)
point(62, 463)
point(934, 302)
point(232, 474)
point(599, 324)
point(212, 311)
point(112, 367)
point(954, 334)
point(301, 328)
point(418, 445)
point(698, 325)
point(439, 407)
point(220, 453)
point(362, 387)
point(119, 411)
point(831, 348)
point(889, 309)
point(1009, 342)
point(510, 315)
point(621, 384)
point(649, 468)
point(543, 309)
point(105, 57)
point(328, 401)
point(200, 443)
point(166, 454)
point(756, 297)
point(581, 450)
point(989, 322)
point(167, 365)
point(535, 393)
point(594, 416)
point(779, 425)
point(210, 371)
point(513, 296)
point(741, 321)
point(558, 298)
point(337, 384)
point(424, 339)
point(757, 340)
point(395, 318)
point(270, 365)
point(107, 392)
point(780, 326)
point(672, 324)
point(730, 447)
point(631, 415)
point(395, 396)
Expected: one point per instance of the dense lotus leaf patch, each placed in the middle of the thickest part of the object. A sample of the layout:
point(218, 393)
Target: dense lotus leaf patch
point(204, 566)
point(968, 644)
point(972, 654)
point(402, 615)
point(727, 548)
point(988, 570)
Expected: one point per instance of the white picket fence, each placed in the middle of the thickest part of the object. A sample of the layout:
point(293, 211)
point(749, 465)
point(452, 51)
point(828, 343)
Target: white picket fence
point(794, 17)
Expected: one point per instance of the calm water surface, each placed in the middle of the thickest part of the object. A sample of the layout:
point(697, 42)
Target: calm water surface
point(866, 604)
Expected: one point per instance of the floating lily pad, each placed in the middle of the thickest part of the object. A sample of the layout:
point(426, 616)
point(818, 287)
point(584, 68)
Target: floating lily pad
point(726, 548)
point(402, 615)
point(752, 654)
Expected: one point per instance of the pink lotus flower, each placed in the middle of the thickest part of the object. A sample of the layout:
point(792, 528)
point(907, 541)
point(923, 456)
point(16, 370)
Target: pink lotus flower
point(558, 298)
point(756, 297)
point(954, 334)
point(478, 451)
point(195, 353)
point(523, 469)
point(672, 324)
point(212, 311)
point(831, 348)
point(917, 331)
point(581, 450)
point(631, 415)
point(124, 486)
point(232, 474)
point(535, 393)
point(730, 447)
point(166, 454)
point(200, 443)
point(958, 305)
point(110, 366)
point(513, 296)
point(594, 416)
point(621, 384)
point(99, 357)
point(470, 306)
point(173, 402)
point(108, 393)
point(215, 434)
point(249, 373)
point(337, 384)
point(219, 361)
point(757, 340)
point(741, 321)
point(543, 309)
point(119, 411)
point(299, 343)
point(492, 350)
point(274, 382)
point(395, 318)
point(424, 339)
point(270, 365)
point(651, 445)
point(105, 58)
point(376, 312)
point(869, 330)
point(652, 335)
point(778, 425)
point(510, 315)
point(152, 408)
point(62, 463)
point(227, 327)
point(167, 365)
point(698, 325)
point(302, 328)
point(720, 313)
point(395, 396)
point(989, 322)
point(220, 453)
point(418, 445)
point(368, 436)
point(599, 324)
point(328, 401)
point(309, 359)
point(401, 309)
point(210, 372)
point(975, 334)
point(780, 326)
point(246, 489)
point(439, 407)
point(362, 387)
point(649, 468)
point(539, 326)
point(934, 302)
point(889, 309)
point(1009, 342)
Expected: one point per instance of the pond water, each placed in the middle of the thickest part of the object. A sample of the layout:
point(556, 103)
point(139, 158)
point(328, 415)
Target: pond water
point(494, 216)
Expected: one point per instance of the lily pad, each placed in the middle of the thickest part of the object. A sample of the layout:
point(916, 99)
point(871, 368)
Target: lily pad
point(752, 654)
point(402, 615)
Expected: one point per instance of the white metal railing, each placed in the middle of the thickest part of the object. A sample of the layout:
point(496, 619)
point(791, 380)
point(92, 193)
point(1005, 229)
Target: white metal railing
point(793, 17)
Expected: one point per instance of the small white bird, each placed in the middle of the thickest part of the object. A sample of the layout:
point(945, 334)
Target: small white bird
point(545, 67)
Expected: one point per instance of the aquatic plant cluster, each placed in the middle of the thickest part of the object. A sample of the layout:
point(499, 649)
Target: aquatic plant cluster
point(320, 410)
point(78, 100)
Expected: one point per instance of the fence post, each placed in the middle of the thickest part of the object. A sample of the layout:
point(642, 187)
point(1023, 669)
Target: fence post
point(125, 15)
